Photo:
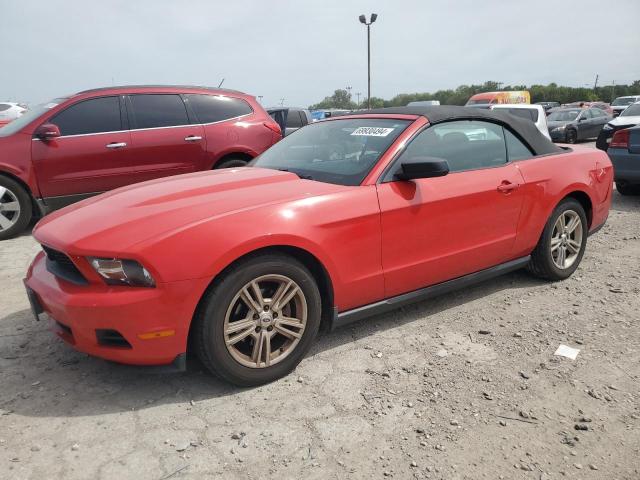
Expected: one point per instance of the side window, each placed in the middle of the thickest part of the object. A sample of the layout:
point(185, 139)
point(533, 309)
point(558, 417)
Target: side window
point(158, 110)
point(4, 106)
point(294, 119)
point(97, 115)
point(586, 114)
point(465, 145)
point(516, 150)
point(216, 108)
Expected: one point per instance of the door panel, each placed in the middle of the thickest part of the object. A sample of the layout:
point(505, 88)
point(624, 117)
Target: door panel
point(90, 156)
point(441, 228)
point(163, 140)
point(160, 152)
point(81, 164)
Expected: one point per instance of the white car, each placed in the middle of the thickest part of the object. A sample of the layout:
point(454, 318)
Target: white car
point(535, 113)
point(10, 111)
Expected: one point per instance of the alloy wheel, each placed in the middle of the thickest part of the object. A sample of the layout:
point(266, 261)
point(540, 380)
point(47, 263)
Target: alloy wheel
point(9, 209)
point(566, 239)
point(265, 321)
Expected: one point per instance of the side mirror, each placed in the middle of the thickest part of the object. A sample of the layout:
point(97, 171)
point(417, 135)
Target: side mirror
point(47, 131)
point(422, 167)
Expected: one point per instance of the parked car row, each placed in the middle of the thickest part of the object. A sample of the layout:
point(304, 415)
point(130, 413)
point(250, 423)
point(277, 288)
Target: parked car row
point(97, 140)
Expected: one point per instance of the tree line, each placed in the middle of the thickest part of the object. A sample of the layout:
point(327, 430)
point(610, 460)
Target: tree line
point(539, 93)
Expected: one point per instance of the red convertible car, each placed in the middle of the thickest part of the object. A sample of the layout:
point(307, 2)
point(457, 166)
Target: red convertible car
point(342, 219)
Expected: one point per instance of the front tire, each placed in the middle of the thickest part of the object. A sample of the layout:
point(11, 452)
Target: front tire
point(571, 136)
point(257, 322)
point(16, 208)
point(562, 244)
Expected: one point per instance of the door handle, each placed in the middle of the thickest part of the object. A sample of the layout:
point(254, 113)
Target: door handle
point(192, 138)
point(116, 145)
point(506, 186)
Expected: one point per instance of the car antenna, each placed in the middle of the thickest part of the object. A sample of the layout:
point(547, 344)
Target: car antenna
point(221, 82)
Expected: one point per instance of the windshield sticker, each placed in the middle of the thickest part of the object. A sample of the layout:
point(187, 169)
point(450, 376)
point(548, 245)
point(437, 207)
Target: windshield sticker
point(372, 131)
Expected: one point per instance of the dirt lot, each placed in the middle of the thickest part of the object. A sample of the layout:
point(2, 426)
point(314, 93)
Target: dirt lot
point(462, 387)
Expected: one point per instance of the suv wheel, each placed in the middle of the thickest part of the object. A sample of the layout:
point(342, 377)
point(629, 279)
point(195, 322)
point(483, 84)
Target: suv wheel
point(231, 163)
point(256, 323)
point(15, 208)
point(562, 244)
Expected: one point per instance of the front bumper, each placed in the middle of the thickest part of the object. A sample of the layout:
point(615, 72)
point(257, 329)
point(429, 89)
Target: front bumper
point(558, 135)
point(78, 312)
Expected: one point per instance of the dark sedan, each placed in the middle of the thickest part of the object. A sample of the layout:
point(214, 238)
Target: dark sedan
point(624, 152)
point(570, 125)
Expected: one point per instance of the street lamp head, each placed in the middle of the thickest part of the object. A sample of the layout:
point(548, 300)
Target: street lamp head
point(373, 17)
point(363, 19)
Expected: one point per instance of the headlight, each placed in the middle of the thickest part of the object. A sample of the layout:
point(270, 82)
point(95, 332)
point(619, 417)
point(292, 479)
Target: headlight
point(559, 129)
point(115, 271)
point(607, 127)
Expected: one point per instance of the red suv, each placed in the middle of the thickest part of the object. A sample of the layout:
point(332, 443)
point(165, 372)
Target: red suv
point(97, 140)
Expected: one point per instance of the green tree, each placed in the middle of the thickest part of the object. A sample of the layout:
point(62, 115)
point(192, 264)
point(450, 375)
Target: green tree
point(340, 99)
point(539, 93)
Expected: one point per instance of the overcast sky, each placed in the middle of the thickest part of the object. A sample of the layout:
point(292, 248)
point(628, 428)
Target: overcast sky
point(304, 50)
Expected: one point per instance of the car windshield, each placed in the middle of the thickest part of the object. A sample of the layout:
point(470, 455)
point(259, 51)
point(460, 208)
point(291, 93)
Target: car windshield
point(341, 151)
point(631, 111)
point(28, 117)
point(621, 101)
point(563, 115)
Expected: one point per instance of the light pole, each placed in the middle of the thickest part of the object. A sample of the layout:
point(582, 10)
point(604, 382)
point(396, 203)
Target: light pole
point(363, 20)
point(358, 95)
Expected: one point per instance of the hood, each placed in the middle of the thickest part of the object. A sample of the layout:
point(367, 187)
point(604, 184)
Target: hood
point(112, 222)
point(630, 120)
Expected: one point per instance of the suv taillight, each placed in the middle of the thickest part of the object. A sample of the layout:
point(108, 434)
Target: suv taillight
point(620, 139)
point(273, 126)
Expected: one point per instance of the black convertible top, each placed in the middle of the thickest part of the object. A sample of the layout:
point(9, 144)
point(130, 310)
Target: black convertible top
point(523, 128)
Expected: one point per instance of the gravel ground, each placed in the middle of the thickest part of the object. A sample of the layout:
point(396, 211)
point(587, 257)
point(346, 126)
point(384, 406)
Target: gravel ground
point(465, 386)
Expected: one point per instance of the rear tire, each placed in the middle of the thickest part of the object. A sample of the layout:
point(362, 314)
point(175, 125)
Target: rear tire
point(16, 208)
point(274, 333)
point(231, 163)
point(627, 189)
point(562, 242)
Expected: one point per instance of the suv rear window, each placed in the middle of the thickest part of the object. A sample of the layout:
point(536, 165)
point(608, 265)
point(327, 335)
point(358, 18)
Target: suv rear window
point(96, 115)
point(158, 110)
point(216, 108)
point(528, 113)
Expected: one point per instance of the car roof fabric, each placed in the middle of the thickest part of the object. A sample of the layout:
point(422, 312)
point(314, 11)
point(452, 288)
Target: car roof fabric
point(523, 128)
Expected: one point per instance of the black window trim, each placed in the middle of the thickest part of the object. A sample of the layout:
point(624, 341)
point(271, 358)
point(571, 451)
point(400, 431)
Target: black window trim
point(122, 122)
point(195, 116)
point(385, 176)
